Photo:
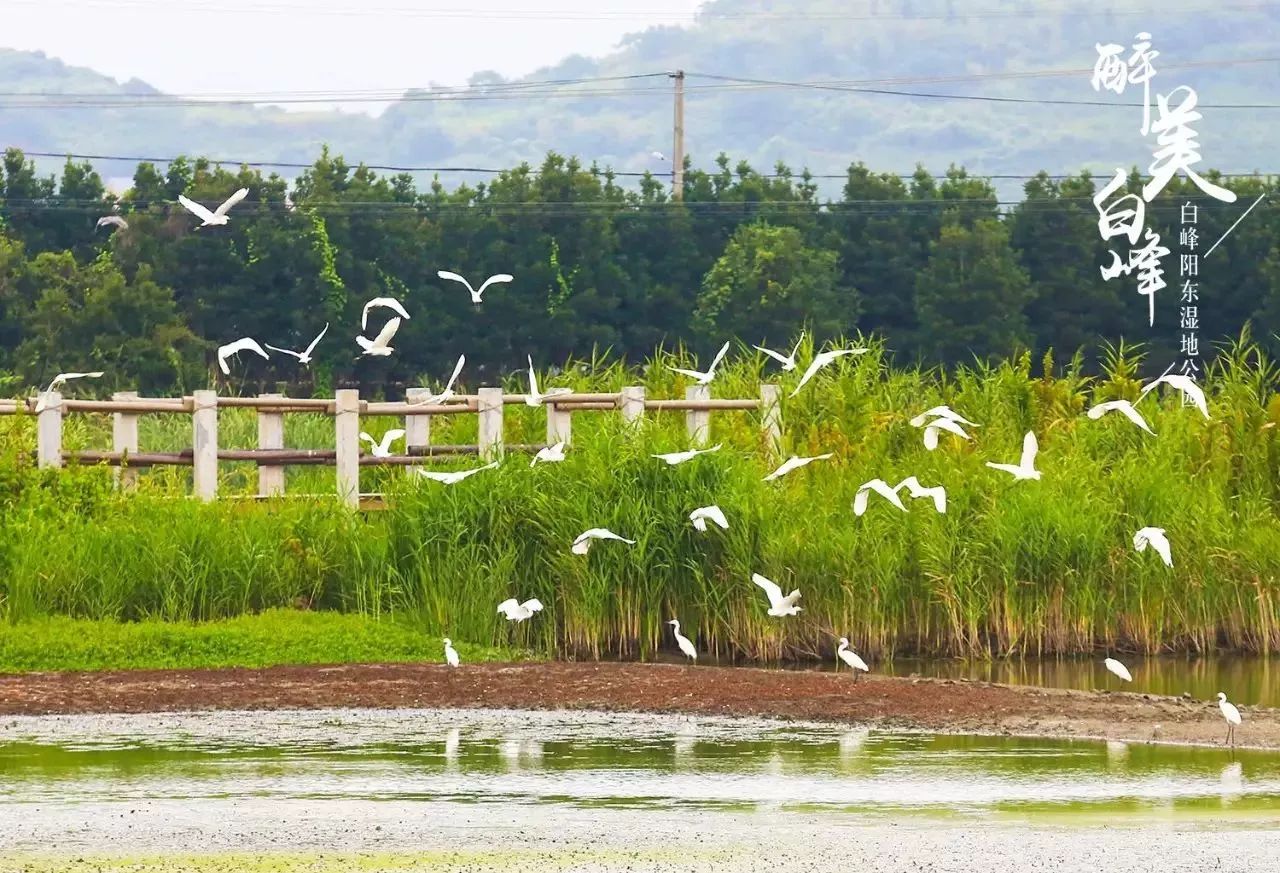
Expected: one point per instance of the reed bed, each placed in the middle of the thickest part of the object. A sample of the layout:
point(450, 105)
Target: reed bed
point(1026, 568)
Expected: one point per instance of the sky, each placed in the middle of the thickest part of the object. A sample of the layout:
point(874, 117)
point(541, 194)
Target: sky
point(201, 46)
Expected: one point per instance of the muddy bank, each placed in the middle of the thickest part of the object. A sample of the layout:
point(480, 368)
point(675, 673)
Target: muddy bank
point(938, 705)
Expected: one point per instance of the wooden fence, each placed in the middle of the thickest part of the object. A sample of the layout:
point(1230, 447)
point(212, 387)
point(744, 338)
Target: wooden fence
point(346, 409)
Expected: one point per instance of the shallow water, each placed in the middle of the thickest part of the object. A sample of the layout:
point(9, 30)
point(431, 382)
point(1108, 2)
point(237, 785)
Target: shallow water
point(405, 780)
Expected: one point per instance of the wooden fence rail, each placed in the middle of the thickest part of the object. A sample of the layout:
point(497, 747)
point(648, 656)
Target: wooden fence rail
point(346, 409)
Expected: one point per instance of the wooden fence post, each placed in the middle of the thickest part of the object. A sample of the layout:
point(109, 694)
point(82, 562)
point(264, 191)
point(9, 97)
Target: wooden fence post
point(204, 443)
point(270, 436)
point(633, 403)
point(559, 425)
point(124, 438)
point(346, 417)
point(698, 421)
point(771, 416)
point(417, 428)
point(49, 431)
point(490, 432)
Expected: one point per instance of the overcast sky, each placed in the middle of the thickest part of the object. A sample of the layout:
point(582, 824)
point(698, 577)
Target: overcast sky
point(192, 46)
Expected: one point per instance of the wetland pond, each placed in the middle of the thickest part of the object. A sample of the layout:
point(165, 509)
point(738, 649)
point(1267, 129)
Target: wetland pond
point(500, 790)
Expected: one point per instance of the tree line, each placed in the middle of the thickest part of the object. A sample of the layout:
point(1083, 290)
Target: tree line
point(938, 265)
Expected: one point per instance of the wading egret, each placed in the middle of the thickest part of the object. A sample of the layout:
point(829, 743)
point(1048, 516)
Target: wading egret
point(518, 612)
point(788, 363)
point(1026, 467)
point(381, 303)
point(879, 486)
point(705, 378)
point(475, 295)
point(795, 463)
point(1154, 537)
point(450, 655)
point(61, 379)
point(1231, 714)
point(380, 346)
point(703, 514)
point(217, 216)
point(1125, 408)
point(584, 540)
point(680, 457)
point(304, 357)
point(1185, 384)
point(682, 641)
point(549, 454)
point(448, 388)
point(823, 360)
point(245, 344)
point(456, 477)
point(850, 657)
point(938, 494)
point(382, 449)
point(112, 219)
point(1119, 669)
point(779, 606)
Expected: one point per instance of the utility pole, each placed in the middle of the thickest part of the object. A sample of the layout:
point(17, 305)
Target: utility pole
point(677, 152)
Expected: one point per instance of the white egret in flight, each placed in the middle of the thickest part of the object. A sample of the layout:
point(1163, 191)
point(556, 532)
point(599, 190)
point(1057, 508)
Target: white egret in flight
point(788, 362)
point(779, 606)
point(304, 357)
point(1125, 408)
point(682, 641)
point(61, 379)
point(382, 449)
point(381, 303)
point(549, 454)
point(931, 431)
point(1154, 537)
point(475, 295)
point(113, 220)
point(1026, 466)
point(217, 216)
point(940, 412)
point(879, 486)
point(680, 457)
point(380, 346)
point(938, 494)
point(448, 388)
point(795, 463)
point(703, 514)
point(1185, 384)
point(583, 543)
point(823, 360)
point(519, 611)
point(535, 397)
point(705, 378)
point(244, 344)
point(453, 478)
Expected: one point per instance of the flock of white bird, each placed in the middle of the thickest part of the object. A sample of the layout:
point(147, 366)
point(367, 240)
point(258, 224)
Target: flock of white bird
point(934, 422)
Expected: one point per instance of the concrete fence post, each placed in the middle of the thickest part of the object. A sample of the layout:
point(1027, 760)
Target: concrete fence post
point(559, 425)
point(49, 431)
point(698, 421)
point(771, 416)
point(270, 436)
point(124, 438)
point(346, 432)
point(632, 403)
point(417, 428)
point(204, 443)
point(490, 431)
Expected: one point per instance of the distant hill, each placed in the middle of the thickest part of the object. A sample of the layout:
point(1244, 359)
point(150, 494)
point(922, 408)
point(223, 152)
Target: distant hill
point(914, 43)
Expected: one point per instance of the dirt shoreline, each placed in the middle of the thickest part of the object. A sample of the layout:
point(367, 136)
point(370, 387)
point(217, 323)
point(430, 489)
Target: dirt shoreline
point(929, 704)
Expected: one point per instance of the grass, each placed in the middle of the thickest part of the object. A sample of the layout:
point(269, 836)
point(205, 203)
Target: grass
point(278, 636)
point(1012, 568)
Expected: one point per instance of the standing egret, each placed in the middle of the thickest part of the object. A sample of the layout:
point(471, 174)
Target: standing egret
point(879, 486)
point(1119, 669)
point(115, 220)
point(377, 302)
point(938, 494)
point(61, 379)
point(450, 655)
point(682, 641)
point(244, 344)
point(1190, 390)
point(703, 514)
point(779, 606)
point(475, 295)
point(453, 478)
point(584, 540)
point(850, 657)
point(382, 449)
point(304, 357)
point(1231, 714)
point(705, 378)
point(795, 463)
point(518, 612)
point(448, 388)
point(549, 454)
point(217, 216)
point(680, 457)
point(1026, 466)
point(823, 360)
point(1125, 408)
point(379, 346)
point(1154, 537)
point(788, 363)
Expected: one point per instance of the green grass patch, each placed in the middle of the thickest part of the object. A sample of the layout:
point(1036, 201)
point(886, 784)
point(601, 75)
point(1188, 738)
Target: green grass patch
point(277, 636)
